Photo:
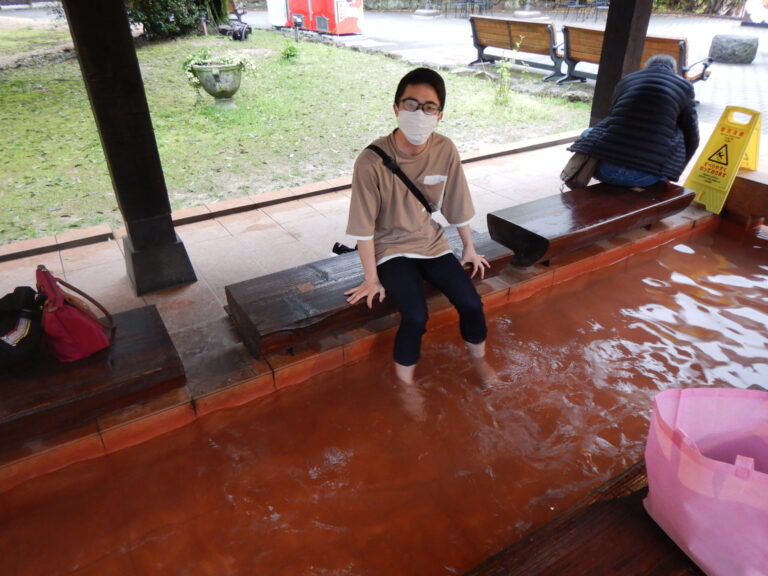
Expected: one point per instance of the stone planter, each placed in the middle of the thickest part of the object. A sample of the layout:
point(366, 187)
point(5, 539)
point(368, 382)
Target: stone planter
point(220, 81)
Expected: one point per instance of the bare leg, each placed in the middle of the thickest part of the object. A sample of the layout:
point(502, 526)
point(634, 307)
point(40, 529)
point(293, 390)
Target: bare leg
point(405, 373)
point(484, 371)
point(413, 399)
point(476, 350)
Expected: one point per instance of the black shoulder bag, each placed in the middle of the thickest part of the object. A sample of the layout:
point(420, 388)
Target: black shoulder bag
point(339, 248)
point(392, 165)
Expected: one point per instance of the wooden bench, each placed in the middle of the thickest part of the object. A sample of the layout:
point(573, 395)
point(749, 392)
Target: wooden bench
point(285, 309)
point(524, 36)
point(607, 533)
point(543, 229)
point(49, 396)
point(586, 45)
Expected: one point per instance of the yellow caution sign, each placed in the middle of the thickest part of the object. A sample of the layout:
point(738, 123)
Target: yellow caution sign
point(734, 144)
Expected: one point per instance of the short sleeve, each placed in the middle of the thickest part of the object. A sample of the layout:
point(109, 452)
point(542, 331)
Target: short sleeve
point(457, 204)
point(366, 199)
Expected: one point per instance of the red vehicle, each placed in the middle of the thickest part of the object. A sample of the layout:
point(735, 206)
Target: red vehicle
point(326, 16)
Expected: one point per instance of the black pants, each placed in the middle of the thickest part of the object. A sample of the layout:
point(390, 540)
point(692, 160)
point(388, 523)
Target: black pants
point(403, 279)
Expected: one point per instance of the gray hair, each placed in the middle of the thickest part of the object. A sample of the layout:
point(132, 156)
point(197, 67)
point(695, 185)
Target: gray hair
point(662, 60)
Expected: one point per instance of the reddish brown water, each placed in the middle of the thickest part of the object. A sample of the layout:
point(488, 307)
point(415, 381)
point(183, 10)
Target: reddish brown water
point(353, 474)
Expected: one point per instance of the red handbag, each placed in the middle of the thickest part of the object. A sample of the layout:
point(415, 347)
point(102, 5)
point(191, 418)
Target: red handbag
point(71, 330)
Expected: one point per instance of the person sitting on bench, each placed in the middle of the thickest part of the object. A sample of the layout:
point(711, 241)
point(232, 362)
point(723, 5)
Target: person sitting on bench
point(651, 132)
point(399, 244)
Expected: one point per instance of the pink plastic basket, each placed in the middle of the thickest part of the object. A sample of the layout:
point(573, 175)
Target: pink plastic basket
point(707, 461)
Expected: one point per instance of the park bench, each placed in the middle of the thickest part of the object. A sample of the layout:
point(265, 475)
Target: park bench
point(586, 45)
point(520, 36)
point(49, 397)
point(540, 230)
point(282, 310)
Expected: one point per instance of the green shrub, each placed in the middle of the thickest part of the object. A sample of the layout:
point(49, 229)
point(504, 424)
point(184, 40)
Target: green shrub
point(503, 83)
point(290, 51)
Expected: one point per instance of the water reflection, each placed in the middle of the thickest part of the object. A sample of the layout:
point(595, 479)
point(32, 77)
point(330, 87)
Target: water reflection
point(713, 317)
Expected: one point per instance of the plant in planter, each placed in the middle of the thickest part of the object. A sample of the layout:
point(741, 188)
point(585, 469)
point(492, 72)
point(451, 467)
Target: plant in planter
point(219, 75)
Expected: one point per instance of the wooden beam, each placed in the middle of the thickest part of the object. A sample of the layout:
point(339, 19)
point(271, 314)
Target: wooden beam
point(625, 29)
point(155, 256)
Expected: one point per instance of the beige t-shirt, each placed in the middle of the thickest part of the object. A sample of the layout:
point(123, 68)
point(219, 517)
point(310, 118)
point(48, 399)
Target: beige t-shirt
point(384, 209)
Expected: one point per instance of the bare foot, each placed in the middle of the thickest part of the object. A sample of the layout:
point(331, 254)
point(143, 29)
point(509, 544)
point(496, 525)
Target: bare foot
point(414, 400)
point(476, 350)
point(487, 375)
point(405, 373)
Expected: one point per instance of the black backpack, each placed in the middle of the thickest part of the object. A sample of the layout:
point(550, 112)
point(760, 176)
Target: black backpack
point(21, 328)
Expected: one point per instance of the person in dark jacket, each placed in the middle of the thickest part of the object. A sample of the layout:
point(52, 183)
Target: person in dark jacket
point(652, 130)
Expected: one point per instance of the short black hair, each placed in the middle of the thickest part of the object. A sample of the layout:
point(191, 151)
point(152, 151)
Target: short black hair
point(422, 76)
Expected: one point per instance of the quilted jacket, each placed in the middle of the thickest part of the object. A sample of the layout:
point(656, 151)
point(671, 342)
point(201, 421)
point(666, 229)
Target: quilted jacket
point(652, 127)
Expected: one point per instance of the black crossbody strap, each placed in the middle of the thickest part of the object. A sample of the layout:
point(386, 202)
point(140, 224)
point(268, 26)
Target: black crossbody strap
point(392, 165)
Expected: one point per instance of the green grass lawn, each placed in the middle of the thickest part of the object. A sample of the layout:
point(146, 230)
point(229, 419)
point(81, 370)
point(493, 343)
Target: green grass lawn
point(296, 121)
point(29, 39)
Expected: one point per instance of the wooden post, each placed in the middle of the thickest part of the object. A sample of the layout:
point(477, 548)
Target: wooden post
point(155, 256)
point(625, 29)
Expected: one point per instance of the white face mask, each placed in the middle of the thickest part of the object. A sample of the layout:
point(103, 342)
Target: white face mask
point(416, 126)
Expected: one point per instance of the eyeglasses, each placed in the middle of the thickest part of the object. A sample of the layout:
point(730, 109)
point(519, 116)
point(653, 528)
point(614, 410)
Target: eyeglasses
point(411, 105)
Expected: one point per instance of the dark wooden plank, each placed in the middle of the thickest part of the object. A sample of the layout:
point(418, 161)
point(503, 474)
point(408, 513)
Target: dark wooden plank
point(747, 200)
point(50, 396)
point(284, 309)
point(542, 229)
point(155, 257)
point(607, 533)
